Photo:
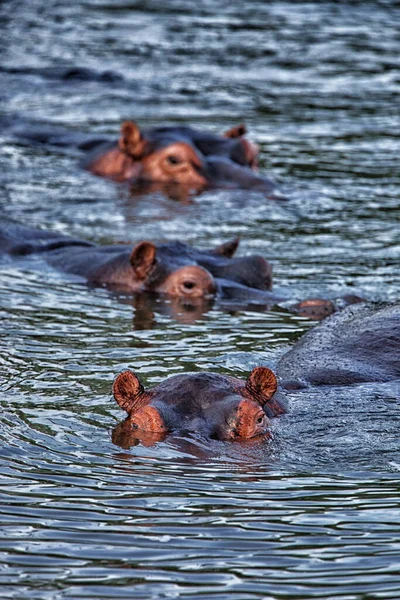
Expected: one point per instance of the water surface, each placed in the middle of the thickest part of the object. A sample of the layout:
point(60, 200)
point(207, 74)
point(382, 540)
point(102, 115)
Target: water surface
point(315, 512)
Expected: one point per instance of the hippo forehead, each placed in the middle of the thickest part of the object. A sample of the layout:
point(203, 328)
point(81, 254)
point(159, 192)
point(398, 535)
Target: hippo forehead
point(198, 392)
point(182, 254)
point(204, 143)
point(162, 137)
point(170, 257)
point(173, 255)
point(177, 251)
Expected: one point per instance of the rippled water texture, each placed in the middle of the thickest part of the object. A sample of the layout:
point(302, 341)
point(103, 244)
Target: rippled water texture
point(315, 512)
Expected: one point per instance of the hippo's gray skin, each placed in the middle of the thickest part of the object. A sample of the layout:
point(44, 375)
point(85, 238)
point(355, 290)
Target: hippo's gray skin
point(180, 155)
point(216, 406)
point(173, 268)
point(359, 344)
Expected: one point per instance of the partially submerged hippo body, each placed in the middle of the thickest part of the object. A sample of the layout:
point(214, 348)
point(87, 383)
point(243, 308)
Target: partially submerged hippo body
point(173, 268)
point(165, 155)
point(358, 344)
point(212, 405)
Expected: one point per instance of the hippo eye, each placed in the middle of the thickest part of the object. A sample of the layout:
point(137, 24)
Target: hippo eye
point(260, 419)
point(173, 160)
point(189, 285)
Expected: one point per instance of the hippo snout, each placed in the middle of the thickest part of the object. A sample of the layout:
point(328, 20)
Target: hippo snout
point(239, 419)
point(190, 281)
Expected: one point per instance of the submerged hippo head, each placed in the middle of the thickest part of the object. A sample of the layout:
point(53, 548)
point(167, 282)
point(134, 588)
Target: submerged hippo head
point(173, 268)
point(164, 159)
point(180, 270)
point(182, 155)
point(217, 406)
point(154, 272)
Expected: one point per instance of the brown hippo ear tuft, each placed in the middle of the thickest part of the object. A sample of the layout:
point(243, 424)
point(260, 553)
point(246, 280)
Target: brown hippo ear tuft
point(129, 392)
point(143, 258)
point(237, 131)
point(262, 384)
point(131, 141)
point(227, 249)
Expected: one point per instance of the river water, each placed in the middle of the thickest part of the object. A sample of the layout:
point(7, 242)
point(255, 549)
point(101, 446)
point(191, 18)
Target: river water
point(315, 512)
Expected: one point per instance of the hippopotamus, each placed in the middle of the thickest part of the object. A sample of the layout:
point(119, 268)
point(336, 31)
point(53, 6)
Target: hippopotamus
point(215, 406)
point(172, 268)
point(359, 344)
point(166, 155)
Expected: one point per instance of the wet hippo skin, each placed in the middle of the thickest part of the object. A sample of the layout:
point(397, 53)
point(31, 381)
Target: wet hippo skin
point(359, 344)
point(168, 155)
point(173, 268)
point(212, 405)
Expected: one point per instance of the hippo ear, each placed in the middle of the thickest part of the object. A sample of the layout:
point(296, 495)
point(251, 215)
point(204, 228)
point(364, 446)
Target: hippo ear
point(262, 384)
point(143, 259)
point(129, 392)
point(227, 249)
point(131, 141)
point(235, 132)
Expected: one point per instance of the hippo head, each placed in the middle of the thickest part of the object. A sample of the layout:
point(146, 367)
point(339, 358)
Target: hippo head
point(213, 405)
point(165, 161)
point(182, 155)
point(182, 271)
point(155, 273)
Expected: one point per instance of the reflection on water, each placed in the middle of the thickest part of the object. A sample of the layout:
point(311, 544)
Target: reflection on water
point(311, 513)
point(184, 310)
point(173, 191)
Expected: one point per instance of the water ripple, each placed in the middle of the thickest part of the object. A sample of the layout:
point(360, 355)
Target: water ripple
point(312, 513)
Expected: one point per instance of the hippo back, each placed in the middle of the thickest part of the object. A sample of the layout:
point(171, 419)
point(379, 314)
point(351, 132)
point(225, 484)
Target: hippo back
point(359, 344)
point(19, 240)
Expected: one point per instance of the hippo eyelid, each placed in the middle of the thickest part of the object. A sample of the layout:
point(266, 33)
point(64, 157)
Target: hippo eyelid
point(173, 160)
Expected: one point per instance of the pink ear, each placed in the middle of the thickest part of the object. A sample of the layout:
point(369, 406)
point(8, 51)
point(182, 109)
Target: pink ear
point(227, 249)
point(235, 132)
point(143, 259)
point(129, 392)
point(262, 384)
point(131, 141)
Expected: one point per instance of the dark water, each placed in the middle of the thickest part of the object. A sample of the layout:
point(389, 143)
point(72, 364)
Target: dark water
point(315, 512)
